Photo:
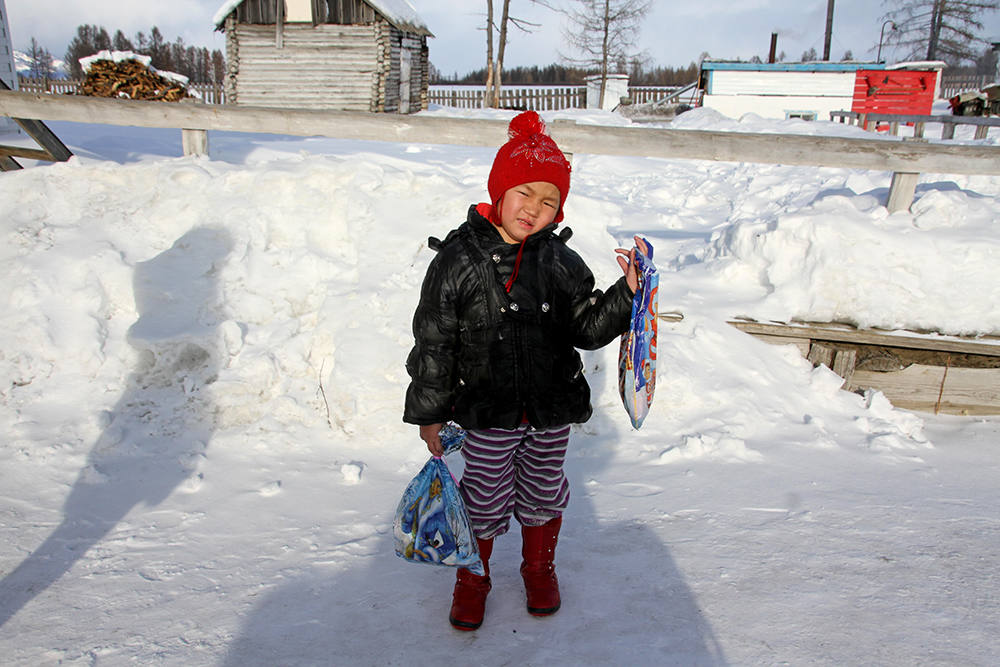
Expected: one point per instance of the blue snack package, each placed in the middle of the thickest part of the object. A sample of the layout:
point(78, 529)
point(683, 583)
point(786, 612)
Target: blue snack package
point(431, 523)
point(637, 354)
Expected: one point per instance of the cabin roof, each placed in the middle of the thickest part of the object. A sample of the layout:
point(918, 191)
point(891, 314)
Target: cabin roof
point(824, 66)
point(400, 13)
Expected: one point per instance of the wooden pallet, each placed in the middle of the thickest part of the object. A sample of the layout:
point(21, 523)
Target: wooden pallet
point(917, 371)
point(51, 148)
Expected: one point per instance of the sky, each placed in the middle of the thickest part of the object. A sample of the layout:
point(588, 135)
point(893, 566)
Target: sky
point(676, 33)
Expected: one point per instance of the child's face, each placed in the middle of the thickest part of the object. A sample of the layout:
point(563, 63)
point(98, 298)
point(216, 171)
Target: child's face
point(526, 209)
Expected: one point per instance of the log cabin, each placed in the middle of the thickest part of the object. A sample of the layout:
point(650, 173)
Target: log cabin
point(355, 55)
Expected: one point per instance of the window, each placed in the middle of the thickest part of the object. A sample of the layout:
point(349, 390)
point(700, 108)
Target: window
point(804, 115)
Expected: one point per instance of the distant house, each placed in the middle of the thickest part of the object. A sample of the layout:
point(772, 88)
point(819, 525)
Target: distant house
point(359, 55)
point(7, 71)
point(812, 90)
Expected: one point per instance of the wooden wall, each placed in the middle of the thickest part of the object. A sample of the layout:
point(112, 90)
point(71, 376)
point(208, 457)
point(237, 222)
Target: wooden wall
point(318, 67)
point(256, 11)
point(342, 11)
point(327, 66)
point(345, 12)
point(392, 42)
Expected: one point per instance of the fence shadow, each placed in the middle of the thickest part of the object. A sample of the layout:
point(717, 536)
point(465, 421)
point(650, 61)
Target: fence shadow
point(158, 430)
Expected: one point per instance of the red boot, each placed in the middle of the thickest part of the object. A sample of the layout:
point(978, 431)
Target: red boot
point(537, 568)
point(469, 602)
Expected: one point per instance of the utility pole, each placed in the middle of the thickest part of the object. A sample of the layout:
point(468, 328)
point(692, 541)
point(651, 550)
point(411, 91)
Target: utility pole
point(936, 20)
point(829, 29)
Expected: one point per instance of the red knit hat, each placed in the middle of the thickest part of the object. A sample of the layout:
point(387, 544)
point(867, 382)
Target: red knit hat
point(530, 155)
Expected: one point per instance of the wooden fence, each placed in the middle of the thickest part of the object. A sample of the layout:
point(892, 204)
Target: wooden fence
point(953, 84)
point(891, 122)
point(536, 98)
point(644, 94)
point(907, 159)
point(210, 93)
point(55, 86)
point(554, 98)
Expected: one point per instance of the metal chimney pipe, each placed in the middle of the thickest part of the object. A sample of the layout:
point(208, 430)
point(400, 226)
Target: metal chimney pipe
point(828, 35)
point(774, 47)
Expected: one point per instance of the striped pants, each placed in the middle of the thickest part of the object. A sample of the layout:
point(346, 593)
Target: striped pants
point(514, 473)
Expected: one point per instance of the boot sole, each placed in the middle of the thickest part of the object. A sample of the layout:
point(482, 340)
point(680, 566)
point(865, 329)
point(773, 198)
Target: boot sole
point(464, 625)
point(548, 611)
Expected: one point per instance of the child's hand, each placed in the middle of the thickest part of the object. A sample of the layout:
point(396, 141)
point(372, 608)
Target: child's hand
point(431, 434)
point(628, 265)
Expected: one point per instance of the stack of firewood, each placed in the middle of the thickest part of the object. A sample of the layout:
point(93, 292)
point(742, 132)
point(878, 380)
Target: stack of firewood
point(129, 79)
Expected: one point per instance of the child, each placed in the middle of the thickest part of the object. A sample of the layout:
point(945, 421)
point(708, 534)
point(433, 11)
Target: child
point(503, 306)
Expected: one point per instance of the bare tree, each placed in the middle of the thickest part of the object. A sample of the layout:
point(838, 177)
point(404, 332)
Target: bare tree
point(602, 32)
point(42, 64)
point(501, 48)
point(948, 30)
point(218, 67)
point(121, 42)
point(494, 66)
point(488, 100)
point(89, 40)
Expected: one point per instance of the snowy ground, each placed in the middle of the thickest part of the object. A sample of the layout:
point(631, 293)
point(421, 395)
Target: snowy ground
point(202, 379)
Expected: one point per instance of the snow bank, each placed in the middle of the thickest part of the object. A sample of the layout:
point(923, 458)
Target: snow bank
point(279, 289)
point(202, 365)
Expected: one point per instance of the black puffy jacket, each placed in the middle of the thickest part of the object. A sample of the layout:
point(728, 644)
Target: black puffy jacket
point(488, 359)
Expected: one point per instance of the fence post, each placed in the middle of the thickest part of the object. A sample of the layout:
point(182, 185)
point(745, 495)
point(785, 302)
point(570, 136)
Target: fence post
point(194, 142)
point(901, 190)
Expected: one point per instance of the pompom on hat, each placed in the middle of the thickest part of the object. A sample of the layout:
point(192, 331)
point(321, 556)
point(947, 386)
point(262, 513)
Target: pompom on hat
point(529, 155)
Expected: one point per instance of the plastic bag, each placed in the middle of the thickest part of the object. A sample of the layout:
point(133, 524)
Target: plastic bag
point(431, 523)
point(637, 354)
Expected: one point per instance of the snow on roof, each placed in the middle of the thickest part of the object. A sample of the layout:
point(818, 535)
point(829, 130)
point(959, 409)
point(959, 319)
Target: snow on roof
point(225, 10)
point(823, 66)
point(400, 13)
point(920, 64)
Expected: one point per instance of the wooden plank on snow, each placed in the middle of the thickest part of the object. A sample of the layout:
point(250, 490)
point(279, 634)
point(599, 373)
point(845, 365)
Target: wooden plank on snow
point(820, 354)
point(801, 343)
point(985, 345)
point(964, 391)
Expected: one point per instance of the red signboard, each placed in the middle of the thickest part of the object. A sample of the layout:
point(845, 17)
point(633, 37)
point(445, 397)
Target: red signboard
point(894, 91)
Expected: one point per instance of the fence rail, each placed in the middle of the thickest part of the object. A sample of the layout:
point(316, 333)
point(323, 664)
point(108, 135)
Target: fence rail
point(891, 121)
point(210, 93)
point(906, 159)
